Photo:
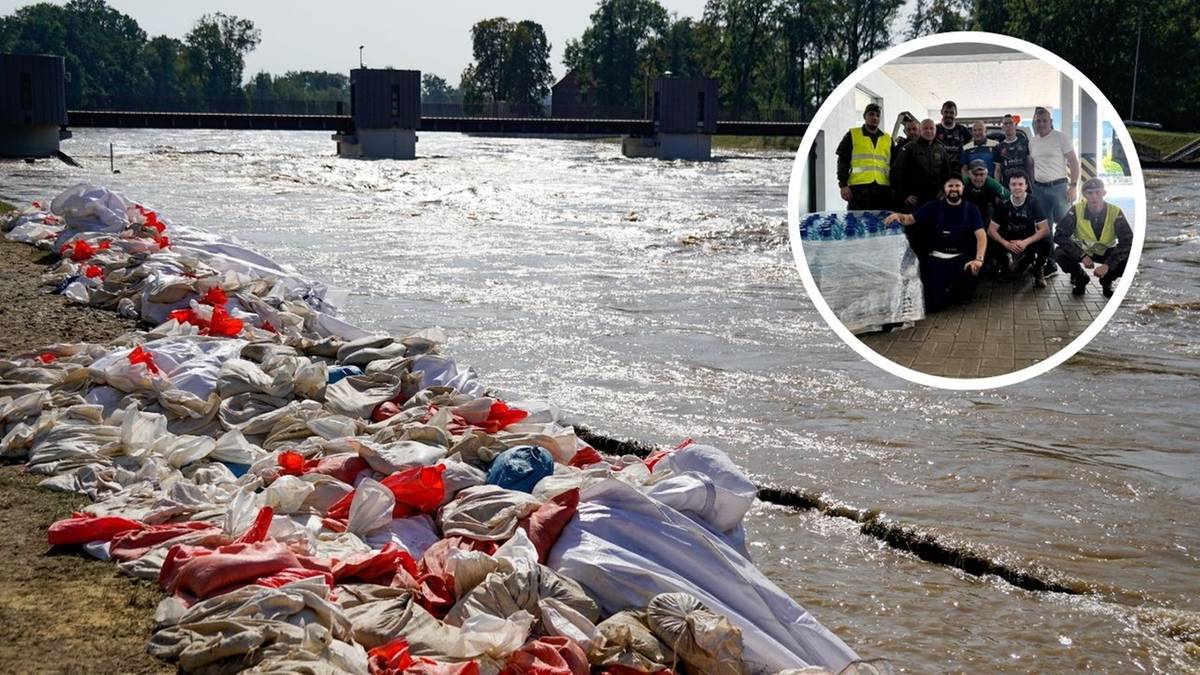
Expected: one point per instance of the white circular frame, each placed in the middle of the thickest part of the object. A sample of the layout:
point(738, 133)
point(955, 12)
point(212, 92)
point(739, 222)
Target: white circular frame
point(798, 180)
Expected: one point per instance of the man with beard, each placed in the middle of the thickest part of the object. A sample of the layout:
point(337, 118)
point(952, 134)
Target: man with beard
point(954, 230)
point(1019, 233)
point(1094, 235)
point(864, 159)
point(1012, 153)
point(952, 135)
point(918, 174)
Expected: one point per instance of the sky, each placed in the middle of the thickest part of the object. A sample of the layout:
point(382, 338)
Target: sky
point(433, 37)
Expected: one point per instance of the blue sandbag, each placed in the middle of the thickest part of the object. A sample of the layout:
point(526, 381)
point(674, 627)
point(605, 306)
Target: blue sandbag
point(337, 373)
point(520, 468)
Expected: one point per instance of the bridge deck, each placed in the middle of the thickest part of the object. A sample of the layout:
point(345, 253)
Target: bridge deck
point(343, 123)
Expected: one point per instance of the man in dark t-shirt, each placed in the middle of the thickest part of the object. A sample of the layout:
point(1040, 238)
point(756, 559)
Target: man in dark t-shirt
point(1019, 234)
point(953, 230)
point(1012, 152)
point(951, 135)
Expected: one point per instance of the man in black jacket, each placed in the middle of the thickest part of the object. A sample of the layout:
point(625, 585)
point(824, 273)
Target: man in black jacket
point(920, 170)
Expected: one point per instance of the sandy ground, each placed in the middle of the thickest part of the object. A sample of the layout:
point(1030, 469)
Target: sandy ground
point(60, 611)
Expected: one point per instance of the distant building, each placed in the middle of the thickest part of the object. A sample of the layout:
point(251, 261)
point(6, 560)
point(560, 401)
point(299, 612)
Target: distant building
point(33, 109)
point(570, 97)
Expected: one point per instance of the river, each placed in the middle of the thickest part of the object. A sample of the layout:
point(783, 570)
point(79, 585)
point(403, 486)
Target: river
point(659, 301)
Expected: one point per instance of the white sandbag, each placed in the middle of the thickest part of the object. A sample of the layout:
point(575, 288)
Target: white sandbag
point(625, 548)
point(371, 507)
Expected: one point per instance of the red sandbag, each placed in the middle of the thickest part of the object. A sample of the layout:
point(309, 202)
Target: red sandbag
point(394, 658)
point(501, 416)
point(585, 456)
point(546, 524)
point(344, 467)
point(554, 655)
point(223, 324)
point(258, 529)
point(79, 252)
point(376, 567)
point(139, 355)
point(284, 577)
point(82, 528)
point(133, 544)
point(389, 658)
point(202, 572)
point(418, 489)
point(47, 358)
point(215, 297)
point(93, 271)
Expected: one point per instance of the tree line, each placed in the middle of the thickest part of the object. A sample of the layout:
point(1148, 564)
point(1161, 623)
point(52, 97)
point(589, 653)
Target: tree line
point(769, 57)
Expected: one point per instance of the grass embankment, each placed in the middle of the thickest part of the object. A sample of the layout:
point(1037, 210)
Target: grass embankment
point(789, 143)
point(1153, 144)
point(59, 610)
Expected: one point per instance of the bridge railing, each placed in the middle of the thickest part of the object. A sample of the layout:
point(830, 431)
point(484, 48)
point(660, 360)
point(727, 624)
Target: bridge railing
point(227, 106)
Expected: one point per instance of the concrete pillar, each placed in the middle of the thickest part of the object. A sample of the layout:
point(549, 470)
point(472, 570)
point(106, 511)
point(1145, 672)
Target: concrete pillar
point(1089, 136)
point(33, 111)
point(1066, 106)
point(820, 178)
point(684, 116)
point(385, 107)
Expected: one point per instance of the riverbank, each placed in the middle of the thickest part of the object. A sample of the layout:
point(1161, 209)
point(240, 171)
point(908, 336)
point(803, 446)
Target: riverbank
point(59, 611)
point(1154, 145)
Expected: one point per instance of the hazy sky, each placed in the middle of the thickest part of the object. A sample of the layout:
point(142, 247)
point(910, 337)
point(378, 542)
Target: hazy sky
point(433, 37)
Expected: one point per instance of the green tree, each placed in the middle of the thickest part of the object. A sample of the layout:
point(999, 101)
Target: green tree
point(614, 53)
point(216, 49)
point(939, 16)
point(435, 89)
point(163, 59)
point(743, 28)
point(512, 63)
point(527, 74)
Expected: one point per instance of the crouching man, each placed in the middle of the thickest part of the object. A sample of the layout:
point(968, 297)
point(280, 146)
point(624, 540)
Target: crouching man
point(954, 231)
point(1094, 235)
point(1019, 233)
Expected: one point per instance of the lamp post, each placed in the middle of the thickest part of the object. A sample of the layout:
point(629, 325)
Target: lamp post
point(1137, 52)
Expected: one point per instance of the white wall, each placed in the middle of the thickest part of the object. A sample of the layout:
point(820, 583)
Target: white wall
point(844, 116)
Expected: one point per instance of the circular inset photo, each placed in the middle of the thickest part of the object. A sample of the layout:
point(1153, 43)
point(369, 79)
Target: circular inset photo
point(967, 210)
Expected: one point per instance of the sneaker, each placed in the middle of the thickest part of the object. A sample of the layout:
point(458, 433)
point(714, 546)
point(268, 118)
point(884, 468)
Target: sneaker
point(1039, 280)
point(1079, 284)
point(1107, 287)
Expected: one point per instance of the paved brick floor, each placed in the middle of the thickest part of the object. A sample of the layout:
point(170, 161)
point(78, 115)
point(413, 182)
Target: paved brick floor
point(1008, 326)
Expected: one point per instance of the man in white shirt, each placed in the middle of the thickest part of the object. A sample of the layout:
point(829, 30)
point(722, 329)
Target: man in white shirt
point(1055, 170)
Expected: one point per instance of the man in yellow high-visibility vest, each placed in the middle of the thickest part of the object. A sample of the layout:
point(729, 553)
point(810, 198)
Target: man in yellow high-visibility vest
point(1094, 235)
point(864, 159)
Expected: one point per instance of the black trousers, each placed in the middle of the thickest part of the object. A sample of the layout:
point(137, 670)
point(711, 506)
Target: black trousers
point(1072, 265)
point(870, 197)
point(946, 281)
point(1033, 258)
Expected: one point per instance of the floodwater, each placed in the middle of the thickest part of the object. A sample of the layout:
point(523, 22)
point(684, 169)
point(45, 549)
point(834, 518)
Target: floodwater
point(658, 301)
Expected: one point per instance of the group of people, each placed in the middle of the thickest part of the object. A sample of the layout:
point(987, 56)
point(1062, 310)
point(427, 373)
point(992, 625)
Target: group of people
point(970, 203)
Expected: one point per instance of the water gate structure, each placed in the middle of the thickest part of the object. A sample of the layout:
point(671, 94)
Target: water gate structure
point(385, 117)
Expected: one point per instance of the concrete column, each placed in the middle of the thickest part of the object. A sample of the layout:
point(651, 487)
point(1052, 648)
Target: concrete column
point(1066, 106)
point(1089, 136)
point(821, 178)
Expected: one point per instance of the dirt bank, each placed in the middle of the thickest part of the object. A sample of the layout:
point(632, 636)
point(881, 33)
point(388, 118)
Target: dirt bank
point(59, 611)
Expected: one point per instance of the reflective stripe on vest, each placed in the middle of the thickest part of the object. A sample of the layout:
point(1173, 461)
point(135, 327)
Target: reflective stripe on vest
point(1085, 234)
point(869, 162)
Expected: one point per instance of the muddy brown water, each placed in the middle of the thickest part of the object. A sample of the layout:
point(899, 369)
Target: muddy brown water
point(658, 301)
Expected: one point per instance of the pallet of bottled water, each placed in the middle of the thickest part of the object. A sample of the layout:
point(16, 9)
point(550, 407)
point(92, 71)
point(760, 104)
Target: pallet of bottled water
point(865, 269)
